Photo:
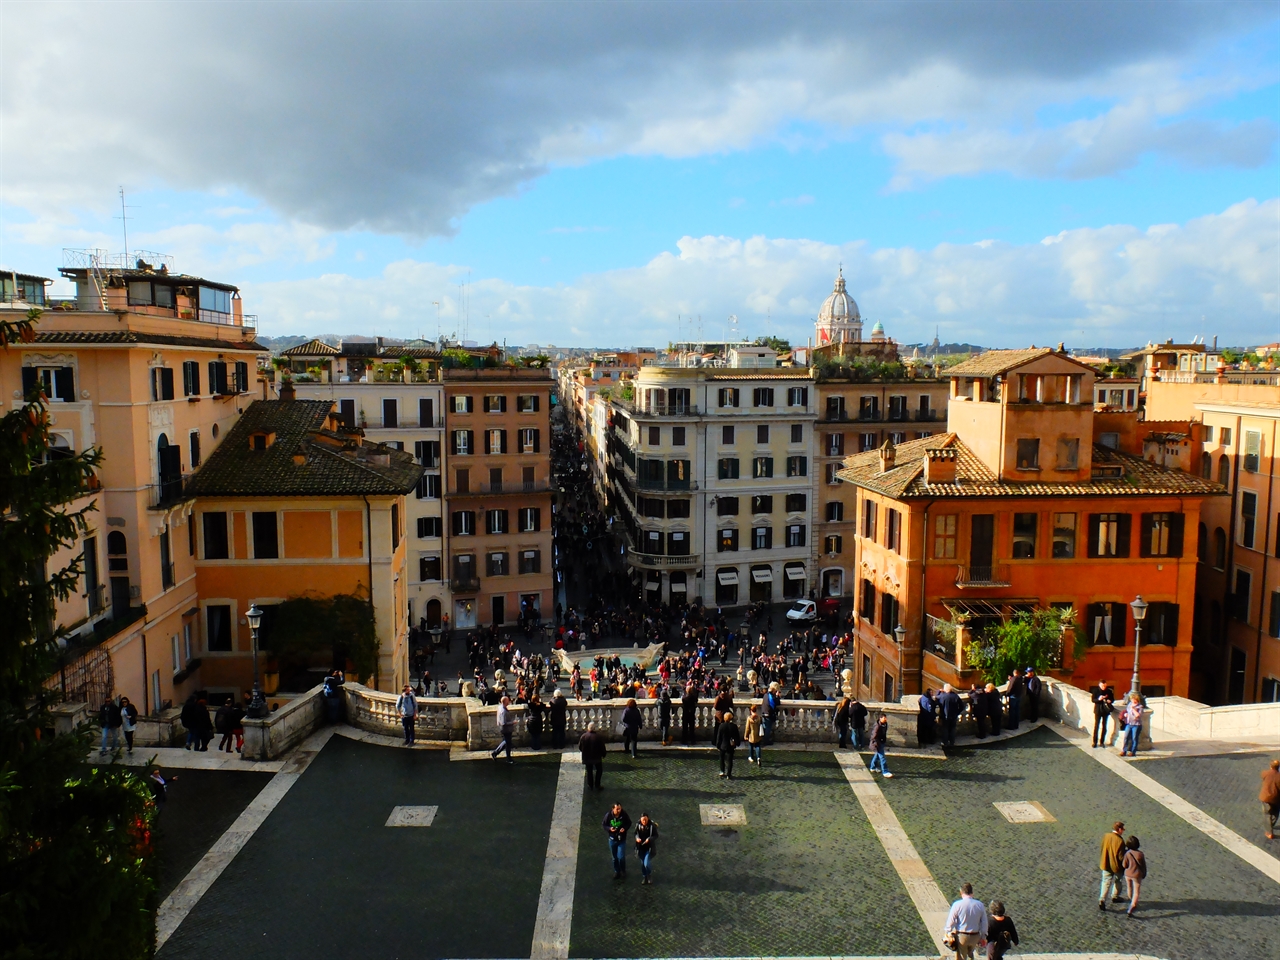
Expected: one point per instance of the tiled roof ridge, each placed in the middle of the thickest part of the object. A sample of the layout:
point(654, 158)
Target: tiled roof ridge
point(354, 461)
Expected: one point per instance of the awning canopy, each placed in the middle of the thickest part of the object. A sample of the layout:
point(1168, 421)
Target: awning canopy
point(677, 587)
point(727, 577)
point(762, 575)
point(795, 571)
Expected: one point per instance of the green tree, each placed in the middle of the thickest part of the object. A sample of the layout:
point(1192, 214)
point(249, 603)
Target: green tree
point(77, 874)
point(776, 343)
point(1028, 639)
point(339, 628)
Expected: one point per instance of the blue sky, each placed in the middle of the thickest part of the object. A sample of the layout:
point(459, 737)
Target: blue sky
point(594, 193)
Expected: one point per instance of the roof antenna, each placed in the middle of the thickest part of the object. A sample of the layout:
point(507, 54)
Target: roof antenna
point(124, 227)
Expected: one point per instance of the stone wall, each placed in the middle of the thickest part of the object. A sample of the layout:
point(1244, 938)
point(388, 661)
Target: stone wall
point(284, 729)
point(1182, 719)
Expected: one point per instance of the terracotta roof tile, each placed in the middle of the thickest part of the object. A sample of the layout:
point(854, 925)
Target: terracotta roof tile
point(130, 337)
point(995, 362)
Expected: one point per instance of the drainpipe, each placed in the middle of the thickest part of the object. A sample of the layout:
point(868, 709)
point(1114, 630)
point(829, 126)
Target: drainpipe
point(368, 545)
point(924, 558)
point(1227, 592)
point(1266, 557)
point(146, 679)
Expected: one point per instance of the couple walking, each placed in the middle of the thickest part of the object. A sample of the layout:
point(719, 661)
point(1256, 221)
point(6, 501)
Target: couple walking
point(617, 824)
point(1121, 858)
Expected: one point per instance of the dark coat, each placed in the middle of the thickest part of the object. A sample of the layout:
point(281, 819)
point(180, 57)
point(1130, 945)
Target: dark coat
point(631, 718)
point(880, 734)
point(858, 713)
point(591, 746)
point(559, 711)
point(664, 710)
point(950, 705)
point(728, 736)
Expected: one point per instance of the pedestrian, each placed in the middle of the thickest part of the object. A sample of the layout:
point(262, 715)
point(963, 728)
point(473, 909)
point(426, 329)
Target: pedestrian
point(222, 725)
point(1131, 723)
point(1002, 935)
point(1111, 863)
point(664, 715)
point(1034, 685)
point(858, 720)
point(1270, 796)
point(1103, 699)
point(333, 695)
point(559, 713)
point(841, 718)
point(188, 718)
point(950, 707)
point(109, 721)
point(924, 719)
point(237, 725)
point(646, 847)
point(769, 712)
point(995, 708)
point(728, 736)
point(203, 725)
point(616, 825)
point(536, 711)
point(631, 722)
point(506, 727)
point(1014, 691)
point(879, 739)
point(407, 707)
point(1135, 871)
point(966, 923)
point(689, 715)
point(751, 733)
point(592, 747)
point(128, 722)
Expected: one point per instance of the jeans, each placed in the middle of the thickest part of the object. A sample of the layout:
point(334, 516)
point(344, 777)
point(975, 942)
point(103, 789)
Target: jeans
point(665, 732)
point(629, 740)
point(844, 736)
point(859, 737)
point(879, 760)
point(646, 864)
point(1273, 814)
point(1131, 738)
point(1015, 710)
point(507, 730)
point(618, 851)
point(408, 723)
point(753, 751)
point(1110, 882)
point(112, 734)
point(333, 708)
point(726, 762)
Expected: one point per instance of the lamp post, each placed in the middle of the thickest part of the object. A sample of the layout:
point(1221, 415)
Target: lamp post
point(900, 634)
point(1139, 608)
point(257, 703)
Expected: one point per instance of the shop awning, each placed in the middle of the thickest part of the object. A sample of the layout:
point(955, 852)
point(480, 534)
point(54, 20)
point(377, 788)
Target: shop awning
point(762, 575)
point(677, 587)
point(727, 578)
point(795, 572)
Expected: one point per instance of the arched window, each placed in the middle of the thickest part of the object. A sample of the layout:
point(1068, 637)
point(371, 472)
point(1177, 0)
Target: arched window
point(1202, 544)
point(169, 461)
point(117, 551)
point(1219, 549)
point(1206, 466)
point(1224, 470)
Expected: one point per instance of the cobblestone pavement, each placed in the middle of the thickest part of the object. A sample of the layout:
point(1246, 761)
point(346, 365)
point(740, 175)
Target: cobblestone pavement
point(805, 876)
point(1225, 787)
point(202, 804)
point(1199, 900)
point(323, 876)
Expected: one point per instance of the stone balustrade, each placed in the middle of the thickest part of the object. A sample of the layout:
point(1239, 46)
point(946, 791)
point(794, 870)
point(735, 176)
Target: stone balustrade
point(439, 718)
point(281, 731)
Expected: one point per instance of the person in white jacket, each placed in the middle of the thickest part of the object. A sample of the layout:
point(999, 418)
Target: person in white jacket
point(407, 707)
point(506, 724)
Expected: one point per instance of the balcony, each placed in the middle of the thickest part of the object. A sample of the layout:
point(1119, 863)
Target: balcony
point(869, 416)
point(927, 416)
point(658, 561)
point(167, 493)
point(669, 485)
point(992, 575)
point(464, 584)
point(679, 410)
point(503, 489)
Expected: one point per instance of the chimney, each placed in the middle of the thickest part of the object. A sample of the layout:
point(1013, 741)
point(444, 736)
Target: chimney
point(286, 390)
point(378, 340)
point(940, 465)
point(888, 454)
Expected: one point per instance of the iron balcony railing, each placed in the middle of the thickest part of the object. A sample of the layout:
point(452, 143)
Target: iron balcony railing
point(660, 560)
point(991, 575)
point(666, 484)
point(464, 584)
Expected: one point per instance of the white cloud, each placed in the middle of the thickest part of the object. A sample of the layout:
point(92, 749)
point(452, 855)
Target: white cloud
point(1115, 285)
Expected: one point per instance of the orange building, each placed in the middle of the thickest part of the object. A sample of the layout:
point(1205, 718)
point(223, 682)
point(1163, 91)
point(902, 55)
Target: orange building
point(1016, 507)
point(292, 503)
point(498, 493)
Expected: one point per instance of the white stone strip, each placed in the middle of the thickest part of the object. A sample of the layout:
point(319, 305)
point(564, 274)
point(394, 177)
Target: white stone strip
point(925, 893)
point(555, 902)
point(1162, 795)
point(176, 758)
point(1021, 956)
point(387, 740)
point(196, 884)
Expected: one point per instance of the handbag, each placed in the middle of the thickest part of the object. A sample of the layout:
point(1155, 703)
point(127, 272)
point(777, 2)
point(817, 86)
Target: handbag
point(950, 940)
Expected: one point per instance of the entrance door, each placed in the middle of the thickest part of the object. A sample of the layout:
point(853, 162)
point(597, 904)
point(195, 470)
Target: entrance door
point(499, 610)
point(1235, 683)
point(832, 583)
point(433, 614)
point(464, 614)
point(980, 543)
point(119, 597)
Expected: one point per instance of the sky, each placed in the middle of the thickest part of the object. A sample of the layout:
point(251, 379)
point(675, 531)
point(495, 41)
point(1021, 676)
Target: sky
point(634, 173)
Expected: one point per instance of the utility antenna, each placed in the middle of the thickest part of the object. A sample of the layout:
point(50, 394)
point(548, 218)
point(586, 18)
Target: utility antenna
point(733, 325)
point(436, 304)
point(124, 226)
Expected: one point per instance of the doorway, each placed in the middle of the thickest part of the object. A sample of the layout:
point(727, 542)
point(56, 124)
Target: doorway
point(433, 614)
point(499, 606)
point(980, 545)
point(1235, 682)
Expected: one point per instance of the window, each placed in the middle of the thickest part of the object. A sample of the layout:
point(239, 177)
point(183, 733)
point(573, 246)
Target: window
point(835, 511)
point(897, 437)
point(1226, 437)
point(727, 506)
point(726, 436)
point(177, 654)
point(430, 568)
point(242, 377)
point(835, 444)
point(655, 436)
point(867, 441)
point(190, 378)
point(495, 403)
point(161, 383)
point(527, 403)
point(797, 503)
point(1029, 454)
point(1024, 535)
point(869, 519)
point(1068, 453)
point(430, 527)
point(761, 538)
point(727, 586)
point(651, 507)
point(1105, 623)
point(797, 433)
point(218, 377)
point(1064, 536)
point(495, 441)
point(528, 440)
point(1224, 469)
point(1109, 534)
point(727, 540)
point(463, 404)
point(429, 486)
point(867, 605)
point(835, 408)
point(1240, 601)
point(866, 671)
point(1219, 549)
point(677, 436)
point(944, 536)
point(495, 521)
point(530, 519)
point(395, 526)
point(193, 440)
point(347, 413)
point(1252, 450)
point(924, 412)
point(1161, 535)
point(1273, 620)
point(217, 637)
point(762, 397)
point(527, 478)
point(496, 565)
point(727, 468)
point(833, 472)
point(678, 543)
point(893, 529)
point(1248, 517)
point(797, 466)
point(729, 396)
point(888, 613)
point(762, 467)
point(215, 536)
point(217, 301)
point(653, 542)
point(762, 504)
point(57, 383)
point(1161, 624)
point(530, 561)
point(898, 408)
point(678, 509)
point(762, 433)
point(427, 452)
point(795, 535)
point(797, 396)
point(390, 414)
point(166, 561)
point(1110, 440)
point(464, 523)
point(463, 442)
point(426, 412)
point(266, 543)
point(678, 474)
point(833, 544)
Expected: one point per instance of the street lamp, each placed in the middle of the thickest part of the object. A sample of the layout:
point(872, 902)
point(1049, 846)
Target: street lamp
point(900, 634)
point(257, 704)
point(1139, 608)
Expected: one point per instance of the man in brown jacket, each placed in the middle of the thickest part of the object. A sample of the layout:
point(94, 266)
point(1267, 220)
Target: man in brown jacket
point(1112, 865)
point(1270, 796)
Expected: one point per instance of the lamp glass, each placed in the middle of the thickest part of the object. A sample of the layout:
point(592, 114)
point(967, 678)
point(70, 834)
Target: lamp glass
point(1139, 608)
point(900, 633)
point(254, 616)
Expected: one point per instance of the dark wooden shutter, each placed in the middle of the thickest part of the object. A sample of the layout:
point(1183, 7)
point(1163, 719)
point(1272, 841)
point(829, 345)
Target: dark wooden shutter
point(1145, 525)
point(426, 413)
point(1124, 527)
point(242, 376)
point(1177, 522)
point(488, 442)
point(1094, 522)
point(64, 384)
point(537, 434)
point(502, 433)
point(30, 381)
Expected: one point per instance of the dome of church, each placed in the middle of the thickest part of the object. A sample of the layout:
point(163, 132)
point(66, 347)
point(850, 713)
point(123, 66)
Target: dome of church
point(839, 307)
point(877, 332)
